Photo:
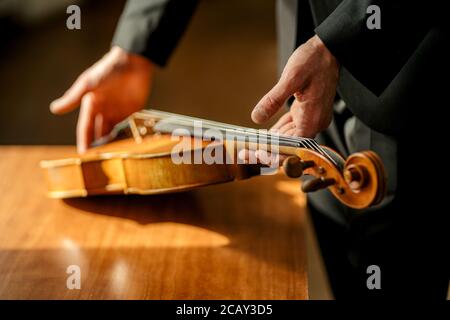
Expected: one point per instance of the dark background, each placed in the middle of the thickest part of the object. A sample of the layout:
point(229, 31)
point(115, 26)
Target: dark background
point(224, 64)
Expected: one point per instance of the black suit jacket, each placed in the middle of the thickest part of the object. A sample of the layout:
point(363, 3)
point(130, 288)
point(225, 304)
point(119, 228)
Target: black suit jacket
point(152, 28)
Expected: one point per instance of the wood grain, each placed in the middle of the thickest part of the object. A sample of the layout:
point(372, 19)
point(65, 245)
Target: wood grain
point(241, 240)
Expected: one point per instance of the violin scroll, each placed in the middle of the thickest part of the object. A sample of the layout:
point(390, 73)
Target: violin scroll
point(364, 174)
point(358, 182)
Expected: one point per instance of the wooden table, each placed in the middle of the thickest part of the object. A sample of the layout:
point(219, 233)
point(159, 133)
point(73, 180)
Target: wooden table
point(242, 240)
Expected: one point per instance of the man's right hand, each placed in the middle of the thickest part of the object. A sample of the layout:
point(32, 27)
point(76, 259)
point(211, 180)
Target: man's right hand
point(108, 92)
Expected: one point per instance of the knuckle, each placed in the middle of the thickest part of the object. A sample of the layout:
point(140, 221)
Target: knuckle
point(86, 101)
point(86, 80)
point(270, 102)
point(83, 78)
point(273, 103)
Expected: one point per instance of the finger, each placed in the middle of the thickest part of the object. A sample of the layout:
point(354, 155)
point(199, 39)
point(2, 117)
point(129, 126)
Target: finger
point(284, 119)
point(101, 126)
point(72, 98)
point(247, 156)
point(272, 102)
point(263, 156)
point(296, 133)
point(281, 158)
point(268, 158)
point(98, 126)
point(290, 132)
point(306, 117)
point(287, 127)
point(259, 156)
point(243, 156)
point(86, 122)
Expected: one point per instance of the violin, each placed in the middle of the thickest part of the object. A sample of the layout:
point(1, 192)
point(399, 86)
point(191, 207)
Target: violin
point(154, 152)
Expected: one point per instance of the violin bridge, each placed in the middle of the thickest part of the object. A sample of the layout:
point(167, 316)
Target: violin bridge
point(135, 131)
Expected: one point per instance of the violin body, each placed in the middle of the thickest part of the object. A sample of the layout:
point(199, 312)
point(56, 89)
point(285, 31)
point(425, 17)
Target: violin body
point(124, 167)
point(145, 164)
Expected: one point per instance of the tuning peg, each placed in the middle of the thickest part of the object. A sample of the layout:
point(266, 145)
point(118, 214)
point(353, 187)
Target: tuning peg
point(293, 166)
point(317, 184)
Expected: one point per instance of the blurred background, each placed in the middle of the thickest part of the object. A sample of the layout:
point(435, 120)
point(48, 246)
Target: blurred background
point(225, 62)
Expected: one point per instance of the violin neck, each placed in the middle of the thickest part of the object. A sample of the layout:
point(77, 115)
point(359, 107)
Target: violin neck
point(250, 138)
point(151, 121)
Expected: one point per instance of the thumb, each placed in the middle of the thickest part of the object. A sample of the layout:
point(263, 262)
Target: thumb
point(72, 98)
point(273, 101)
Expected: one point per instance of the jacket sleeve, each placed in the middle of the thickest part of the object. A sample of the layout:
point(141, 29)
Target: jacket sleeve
point(152, 28)
point(375, 56)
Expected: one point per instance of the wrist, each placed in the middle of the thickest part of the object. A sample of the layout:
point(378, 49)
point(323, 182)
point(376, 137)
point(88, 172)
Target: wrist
point(125, 58)
point(320, 47)
point(317, 43)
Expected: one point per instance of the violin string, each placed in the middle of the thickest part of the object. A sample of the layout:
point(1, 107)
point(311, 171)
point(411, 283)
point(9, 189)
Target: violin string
point(307, 143)
point(209, 125)
point(215, 124)
point(300, 141)
point(238, 131)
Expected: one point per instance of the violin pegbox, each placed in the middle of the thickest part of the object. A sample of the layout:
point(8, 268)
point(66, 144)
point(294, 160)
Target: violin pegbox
point(359, 182)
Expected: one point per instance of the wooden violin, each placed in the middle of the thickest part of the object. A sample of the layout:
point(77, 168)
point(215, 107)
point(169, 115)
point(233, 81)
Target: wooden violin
point(155, 152)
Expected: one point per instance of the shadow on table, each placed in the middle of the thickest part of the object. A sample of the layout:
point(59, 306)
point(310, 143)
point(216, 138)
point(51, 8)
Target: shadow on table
point(267, 228)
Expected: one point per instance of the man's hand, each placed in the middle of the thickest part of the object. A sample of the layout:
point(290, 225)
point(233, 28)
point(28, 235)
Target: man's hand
point(311, 75)
point(109, 91)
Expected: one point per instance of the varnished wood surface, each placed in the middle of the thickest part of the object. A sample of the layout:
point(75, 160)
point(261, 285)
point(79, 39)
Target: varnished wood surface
point(145, 168)
point(238, 240)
